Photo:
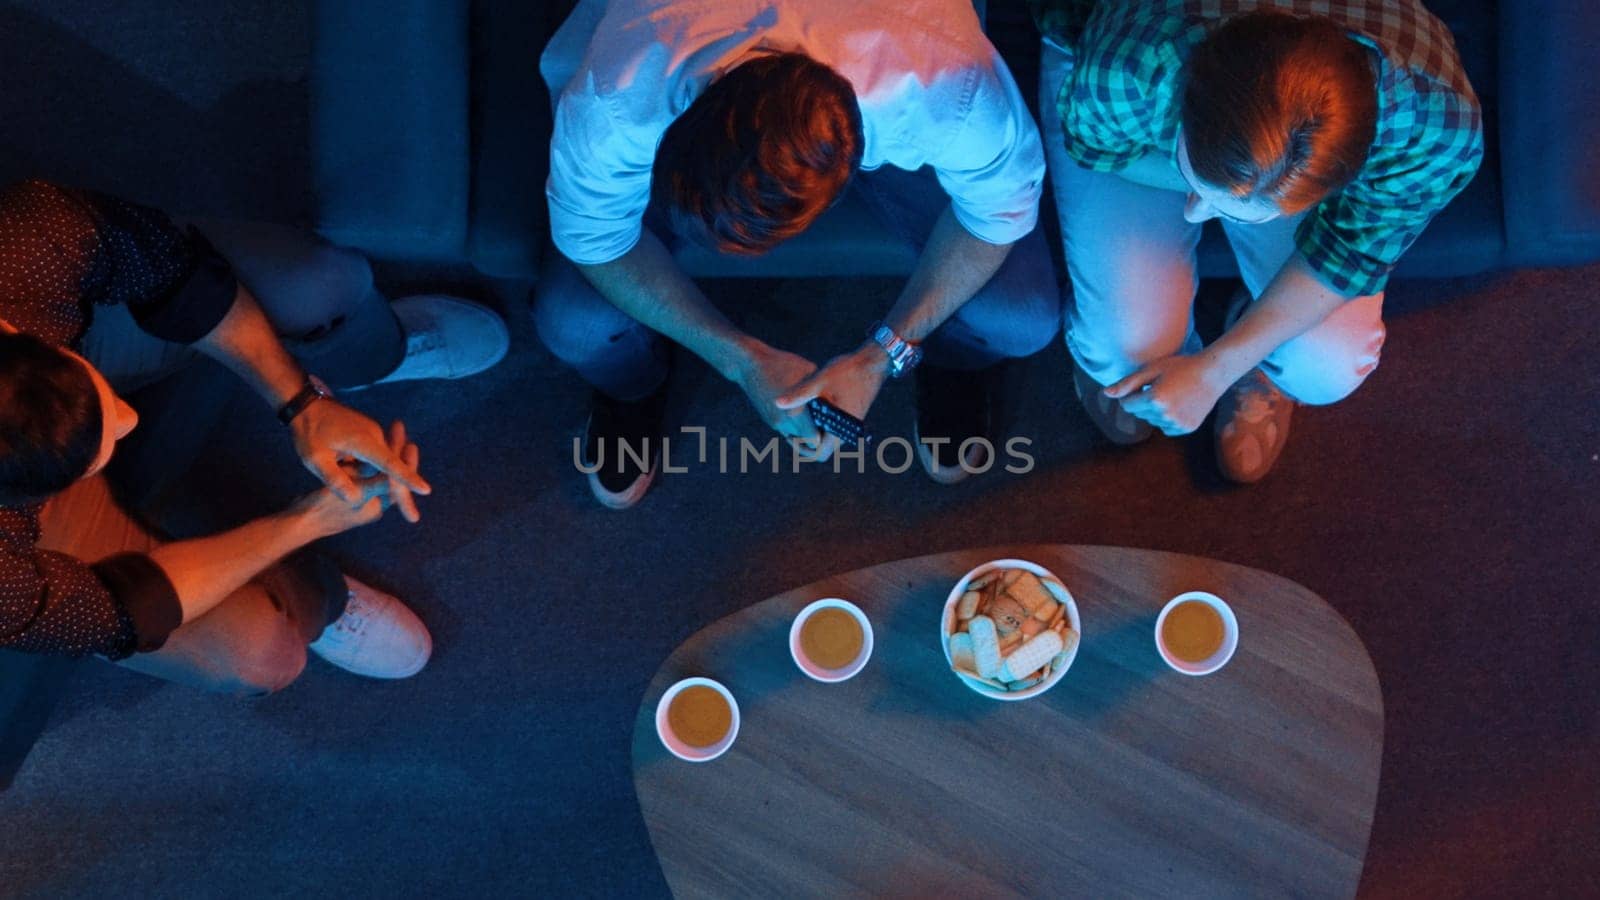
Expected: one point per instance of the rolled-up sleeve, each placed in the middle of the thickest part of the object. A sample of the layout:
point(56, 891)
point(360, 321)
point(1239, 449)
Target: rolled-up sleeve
point(993, 169)
point(173, 281)
point(1353, 239)
point(599, 184)
point(53, 603)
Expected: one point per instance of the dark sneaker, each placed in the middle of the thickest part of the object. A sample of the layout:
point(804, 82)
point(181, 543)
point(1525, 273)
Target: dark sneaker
point(624, 441)
point(956, 406)
point(1106, 413)
point(1252, 427)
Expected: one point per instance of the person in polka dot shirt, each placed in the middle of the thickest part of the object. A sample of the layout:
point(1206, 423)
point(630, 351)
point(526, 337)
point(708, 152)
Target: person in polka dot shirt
point(101, 297)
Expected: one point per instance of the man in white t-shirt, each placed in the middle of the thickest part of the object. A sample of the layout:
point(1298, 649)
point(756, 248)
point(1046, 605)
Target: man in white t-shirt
point(736, 124)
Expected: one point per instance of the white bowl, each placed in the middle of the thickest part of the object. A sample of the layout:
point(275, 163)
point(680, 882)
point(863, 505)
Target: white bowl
point(816, 671)
point(948, 620)
point(1230, 635)
point(685, 751)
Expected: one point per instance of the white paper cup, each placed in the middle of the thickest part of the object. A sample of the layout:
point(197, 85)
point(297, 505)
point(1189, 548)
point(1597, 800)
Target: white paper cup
point(1230, 635)
point(687, 751)
point(947, 624)
point(813, 669)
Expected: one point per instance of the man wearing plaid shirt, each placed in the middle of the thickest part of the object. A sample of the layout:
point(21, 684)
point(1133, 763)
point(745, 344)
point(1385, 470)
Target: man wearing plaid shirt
point(1323, 134)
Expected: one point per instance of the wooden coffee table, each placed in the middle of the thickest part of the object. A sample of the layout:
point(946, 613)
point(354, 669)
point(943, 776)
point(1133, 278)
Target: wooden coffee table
point(1124, 779)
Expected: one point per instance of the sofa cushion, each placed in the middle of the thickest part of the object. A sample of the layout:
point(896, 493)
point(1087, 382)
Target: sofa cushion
point(1550, 127)
point(389, 126)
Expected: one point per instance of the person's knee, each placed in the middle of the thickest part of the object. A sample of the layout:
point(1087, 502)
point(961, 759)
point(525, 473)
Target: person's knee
point(1123, 317)
point(1018, 312)
point(344, 276)
point(1321, 372)
point(1030, 329)
point(267, 667)
point(1111, 348)
point(268, 654)
point(573, 330)
point(1014, 328)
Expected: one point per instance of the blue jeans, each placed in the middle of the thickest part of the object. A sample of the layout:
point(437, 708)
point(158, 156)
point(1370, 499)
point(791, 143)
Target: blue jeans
point(1016, 314)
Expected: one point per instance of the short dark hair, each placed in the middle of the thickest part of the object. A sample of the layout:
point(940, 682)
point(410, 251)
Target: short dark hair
point(51, 423)
point(758, 156)
point(1279, 107)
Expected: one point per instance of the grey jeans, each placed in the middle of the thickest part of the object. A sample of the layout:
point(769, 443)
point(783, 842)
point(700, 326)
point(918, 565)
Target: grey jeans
point(321, 301)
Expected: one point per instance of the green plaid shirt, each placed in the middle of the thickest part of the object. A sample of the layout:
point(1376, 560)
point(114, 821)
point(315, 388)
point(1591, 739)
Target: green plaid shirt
point(1124, 95)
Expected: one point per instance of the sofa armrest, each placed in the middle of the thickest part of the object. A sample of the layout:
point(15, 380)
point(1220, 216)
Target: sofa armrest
point(390, 142)
point(1549, 123)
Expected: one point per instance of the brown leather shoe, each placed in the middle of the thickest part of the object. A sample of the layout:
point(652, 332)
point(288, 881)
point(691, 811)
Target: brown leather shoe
point(1252, 427)
point(1106, 413)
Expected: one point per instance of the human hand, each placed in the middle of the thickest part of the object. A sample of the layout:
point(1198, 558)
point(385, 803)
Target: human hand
point(327, 434)
point(851, 382)
point(764, 377)
point(1174, 393)
point(409, 454)
point(329, 513)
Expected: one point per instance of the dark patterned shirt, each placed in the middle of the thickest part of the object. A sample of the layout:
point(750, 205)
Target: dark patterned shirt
point(1123, 100)
point(62, 253)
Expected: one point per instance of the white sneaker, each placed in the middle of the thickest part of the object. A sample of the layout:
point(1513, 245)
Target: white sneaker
point(378, 636)
point(447, 337)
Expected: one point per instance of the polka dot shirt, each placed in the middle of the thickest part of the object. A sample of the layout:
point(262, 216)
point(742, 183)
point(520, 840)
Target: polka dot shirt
point(62, 253)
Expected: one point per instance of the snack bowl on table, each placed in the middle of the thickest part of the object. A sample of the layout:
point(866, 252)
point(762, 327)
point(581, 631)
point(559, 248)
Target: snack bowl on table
point(988, 576)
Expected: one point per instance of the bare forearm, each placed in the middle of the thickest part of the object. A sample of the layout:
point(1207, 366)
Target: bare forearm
point(647, 284)
point(206, 570)
point(1293, 304)
point(953, 267)
point(245, 342)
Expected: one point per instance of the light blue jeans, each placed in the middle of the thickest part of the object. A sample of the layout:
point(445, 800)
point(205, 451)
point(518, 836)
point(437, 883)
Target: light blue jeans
point(1131, 259)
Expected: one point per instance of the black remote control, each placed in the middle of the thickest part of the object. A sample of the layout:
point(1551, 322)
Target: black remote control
point(851, 431)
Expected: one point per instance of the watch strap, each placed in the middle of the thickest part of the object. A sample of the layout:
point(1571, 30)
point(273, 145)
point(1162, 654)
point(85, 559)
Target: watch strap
point(903, 354)
point(311, 392)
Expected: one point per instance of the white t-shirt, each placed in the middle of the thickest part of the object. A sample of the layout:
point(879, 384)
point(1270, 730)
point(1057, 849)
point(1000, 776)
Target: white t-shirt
point(933, 91)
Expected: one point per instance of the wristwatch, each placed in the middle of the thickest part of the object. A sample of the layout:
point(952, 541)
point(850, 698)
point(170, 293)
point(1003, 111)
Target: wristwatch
point(313, 391)
point(903, 355)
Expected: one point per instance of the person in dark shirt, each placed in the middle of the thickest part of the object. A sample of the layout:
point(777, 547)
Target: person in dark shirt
point(101, 297)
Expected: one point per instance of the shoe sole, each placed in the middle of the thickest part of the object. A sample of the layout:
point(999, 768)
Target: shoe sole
point(944, 474)
point(1234, 477)
point(625, 500)
point(397, 675)
point(628, 498)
